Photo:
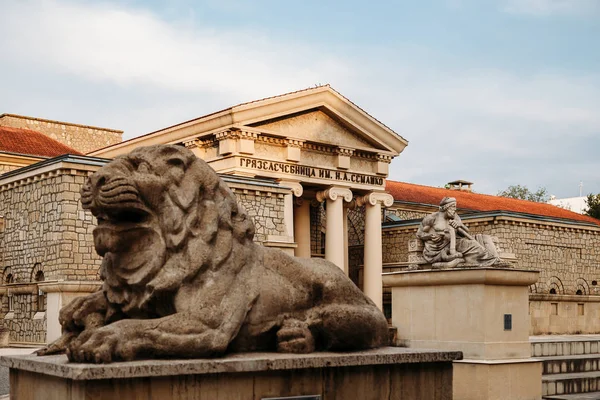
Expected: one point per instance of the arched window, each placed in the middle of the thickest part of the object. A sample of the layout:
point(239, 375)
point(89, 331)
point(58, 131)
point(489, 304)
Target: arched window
point(8, 279)
point(41, 298)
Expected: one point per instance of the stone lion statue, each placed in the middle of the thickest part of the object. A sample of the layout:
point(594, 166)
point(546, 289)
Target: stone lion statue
point(183, 278)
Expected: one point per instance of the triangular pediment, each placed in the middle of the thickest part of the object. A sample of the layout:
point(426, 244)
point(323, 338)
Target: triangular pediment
point(331, 113)
point(318, 127)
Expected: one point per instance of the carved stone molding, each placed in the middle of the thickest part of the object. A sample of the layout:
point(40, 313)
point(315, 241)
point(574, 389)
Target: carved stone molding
point(191, 144)
point(372, 198)
point(333, 193)
point(296, 187)
point(290, 142)
point(386, 158)
point(345, 151)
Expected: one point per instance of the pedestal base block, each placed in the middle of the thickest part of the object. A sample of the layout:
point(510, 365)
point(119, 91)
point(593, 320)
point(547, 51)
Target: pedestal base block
point(387, 373)
point(514, 379)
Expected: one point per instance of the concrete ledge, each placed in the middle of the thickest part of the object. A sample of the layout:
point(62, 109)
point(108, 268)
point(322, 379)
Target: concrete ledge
point(499, 362)
point(462, 276)
point(70, 286)
point(244, 362)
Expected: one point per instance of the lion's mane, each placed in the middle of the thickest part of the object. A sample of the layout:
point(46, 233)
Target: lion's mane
point(194, 211)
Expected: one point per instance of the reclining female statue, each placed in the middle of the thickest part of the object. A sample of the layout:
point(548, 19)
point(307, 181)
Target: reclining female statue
point(447, 242)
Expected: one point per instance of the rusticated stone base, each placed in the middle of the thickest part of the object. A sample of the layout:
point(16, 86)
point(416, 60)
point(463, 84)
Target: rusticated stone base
point(387, 373)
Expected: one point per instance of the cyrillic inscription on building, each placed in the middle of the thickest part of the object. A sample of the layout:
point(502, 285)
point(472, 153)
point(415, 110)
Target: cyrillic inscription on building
point(310, 172)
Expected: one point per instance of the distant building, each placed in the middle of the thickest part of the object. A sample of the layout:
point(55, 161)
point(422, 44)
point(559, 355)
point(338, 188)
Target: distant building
point(563, 245)
point(575, 204)
point(81, 138)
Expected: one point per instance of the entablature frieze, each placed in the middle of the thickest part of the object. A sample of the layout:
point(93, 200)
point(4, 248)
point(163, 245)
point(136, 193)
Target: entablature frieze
point(505, 220)
point(37, 176)
point(213, 139)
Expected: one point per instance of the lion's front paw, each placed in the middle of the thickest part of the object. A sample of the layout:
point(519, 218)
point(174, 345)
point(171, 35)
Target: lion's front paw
point(294, 336)
point(102, 345)
point(72, 316)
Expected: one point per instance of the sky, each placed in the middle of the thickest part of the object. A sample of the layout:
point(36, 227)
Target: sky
point(497, 92)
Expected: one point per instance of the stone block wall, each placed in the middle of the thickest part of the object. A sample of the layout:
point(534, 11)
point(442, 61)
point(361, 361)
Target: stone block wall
point(266, 210)
point(567, 256)
point(22, 326)
point(564, 314)
point(46, 228)
point(80, 137)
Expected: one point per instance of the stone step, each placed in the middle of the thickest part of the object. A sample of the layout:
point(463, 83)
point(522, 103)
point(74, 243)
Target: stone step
point(573, 383)
point(570, 364)
point(578, 396)
point(573, 345)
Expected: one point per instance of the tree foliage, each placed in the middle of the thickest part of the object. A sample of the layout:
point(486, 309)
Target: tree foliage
point(593, 205)
point(523, 193)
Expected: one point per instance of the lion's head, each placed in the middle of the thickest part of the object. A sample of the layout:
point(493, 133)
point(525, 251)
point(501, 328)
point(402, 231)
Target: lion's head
point(163, 215)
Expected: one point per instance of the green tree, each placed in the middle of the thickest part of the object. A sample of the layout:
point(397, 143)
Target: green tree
point(593, 205)
point(523, 193)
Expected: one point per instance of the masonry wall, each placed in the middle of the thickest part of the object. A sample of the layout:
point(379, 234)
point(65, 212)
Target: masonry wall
point(44, 228)
point(80, 137)
point(266, 210)
point(568, 260)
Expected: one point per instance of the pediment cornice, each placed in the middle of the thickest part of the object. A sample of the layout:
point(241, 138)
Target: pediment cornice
point(243, 116)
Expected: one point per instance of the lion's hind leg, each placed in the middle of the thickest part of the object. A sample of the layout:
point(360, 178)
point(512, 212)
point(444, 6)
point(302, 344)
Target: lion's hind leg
point(351, 327)
point(294, 336)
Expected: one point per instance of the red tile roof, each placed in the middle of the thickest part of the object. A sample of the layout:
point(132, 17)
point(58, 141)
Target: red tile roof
point(25, 141)
point(412, 193)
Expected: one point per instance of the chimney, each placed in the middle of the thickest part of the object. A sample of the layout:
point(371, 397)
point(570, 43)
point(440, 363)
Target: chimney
point(464, 186)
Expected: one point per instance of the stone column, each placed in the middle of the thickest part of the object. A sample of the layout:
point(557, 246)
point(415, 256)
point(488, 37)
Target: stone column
point(288, 209)
point(302, 227)
point(334, 212)
point(347, 206)
point(372, 284)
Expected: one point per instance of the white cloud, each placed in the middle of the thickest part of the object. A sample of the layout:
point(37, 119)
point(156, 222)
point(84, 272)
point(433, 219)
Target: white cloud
point(125, 46)
point(126, 68)
point(550, 7)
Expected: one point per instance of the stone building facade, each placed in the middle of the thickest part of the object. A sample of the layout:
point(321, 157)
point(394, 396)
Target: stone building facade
point(45, 237)
point(565, 300)
point(82, 138)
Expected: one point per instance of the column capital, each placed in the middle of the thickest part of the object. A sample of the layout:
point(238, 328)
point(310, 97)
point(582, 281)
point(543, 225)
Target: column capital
point(373, 198)
point(333, 193)
point(296, 187)
point(351, 205)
